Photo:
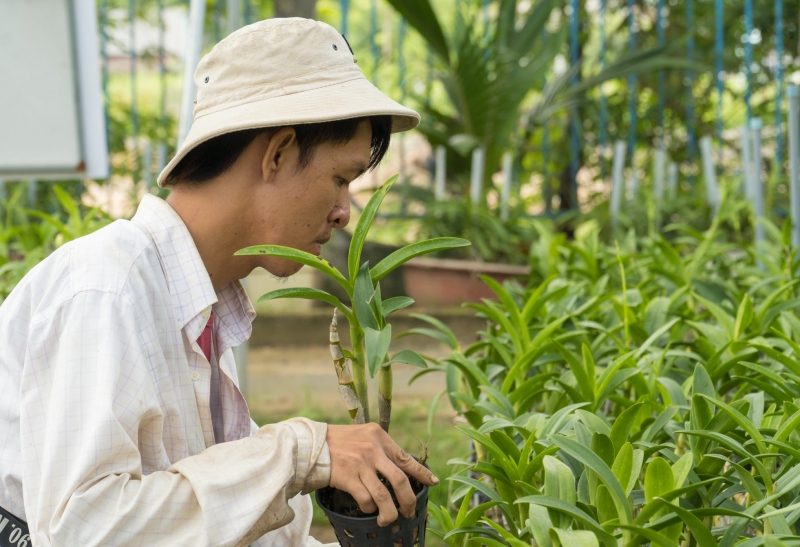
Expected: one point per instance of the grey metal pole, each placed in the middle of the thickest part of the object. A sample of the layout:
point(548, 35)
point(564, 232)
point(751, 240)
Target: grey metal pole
point(709, 173)
point(620, 151)
point(756, 125)
point(440, 172)
point(672, 173)
point(505, 194)
point(234, 15)
point(148, 164)
point(794, 160)
point(658, 173)
point(194, 44)
point(476, 180)
point(747, 165)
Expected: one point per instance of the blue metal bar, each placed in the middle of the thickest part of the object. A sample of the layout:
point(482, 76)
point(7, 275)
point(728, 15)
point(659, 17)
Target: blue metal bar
point(748, 56)
point(373, 43)
point(632, 91)
point(574, 29)
point(719, 43)
point(603, 98)
point(661, 41)
point(690, 127)
point(218, 20)
point(779, 93)
point(248, 14)
point(345, 9)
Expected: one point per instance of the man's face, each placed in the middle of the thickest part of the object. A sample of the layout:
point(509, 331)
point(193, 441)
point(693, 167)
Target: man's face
point(300, 208)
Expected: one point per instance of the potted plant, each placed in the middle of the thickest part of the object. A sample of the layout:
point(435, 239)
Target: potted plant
point(370, 339)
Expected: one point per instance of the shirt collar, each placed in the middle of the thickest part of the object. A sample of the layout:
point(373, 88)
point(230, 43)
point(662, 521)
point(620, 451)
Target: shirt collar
point(188, 281)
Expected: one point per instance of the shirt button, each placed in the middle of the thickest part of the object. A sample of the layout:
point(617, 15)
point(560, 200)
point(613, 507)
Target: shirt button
point(206, 312)
point(195, 375)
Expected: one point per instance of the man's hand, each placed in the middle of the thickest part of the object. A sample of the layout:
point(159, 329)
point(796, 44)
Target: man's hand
point(358, 454)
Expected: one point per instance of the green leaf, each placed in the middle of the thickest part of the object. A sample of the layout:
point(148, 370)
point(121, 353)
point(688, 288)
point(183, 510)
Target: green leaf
point(573, 538)
point(559, 482)
point(658, 479)
point(363, 293)
point(420, 15)
point(621, 429)
point(299, 256)
point(404, 254)
point(592, 461)
point(391, 305)
point(623, 467)
point(363, 226)
point(309, 294)
point(377, 344)
point(576, 513)
point(744, 316)
point(408, 357)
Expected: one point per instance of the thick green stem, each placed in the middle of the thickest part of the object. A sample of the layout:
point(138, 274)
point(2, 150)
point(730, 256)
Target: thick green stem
point(385, 384)
point(360, 368)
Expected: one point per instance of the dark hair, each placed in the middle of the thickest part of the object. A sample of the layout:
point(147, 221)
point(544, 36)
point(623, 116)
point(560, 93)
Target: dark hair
point(215, 156)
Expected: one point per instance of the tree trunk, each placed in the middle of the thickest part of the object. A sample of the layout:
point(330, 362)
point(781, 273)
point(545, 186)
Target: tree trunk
point(296, 8)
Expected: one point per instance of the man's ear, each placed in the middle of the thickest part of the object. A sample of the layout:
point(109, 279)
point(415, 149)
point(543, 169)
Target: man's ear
point(280, 153)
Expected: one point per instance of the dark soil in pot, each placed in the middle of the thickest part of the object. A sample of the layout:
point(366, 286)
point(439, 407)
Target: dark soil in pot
point(354, 528)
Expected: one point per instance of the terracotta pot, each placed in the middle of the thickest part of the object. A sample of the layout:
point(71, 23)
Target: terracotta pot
point(435, 282)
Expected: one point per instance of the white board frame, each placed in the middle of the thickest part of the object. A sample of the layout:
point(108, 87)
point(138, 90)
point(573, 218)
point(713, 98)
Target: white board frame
point(88, 131)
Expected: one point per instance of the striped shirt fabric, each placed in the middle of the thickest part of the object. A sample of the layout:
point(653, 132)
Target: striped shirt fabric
point(106, 429)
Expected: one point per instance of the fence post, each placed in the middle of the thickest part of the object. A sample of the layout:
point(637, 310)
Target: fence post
point(508, 166)
point(620, 151)
point(440, 172)
point(658, 173)
point(709, 173)
point(747, 165)
point(794, 160)
point(758, 202)
point(476, 180)
point(194, 44)
point(148, 164)
point(672, 173)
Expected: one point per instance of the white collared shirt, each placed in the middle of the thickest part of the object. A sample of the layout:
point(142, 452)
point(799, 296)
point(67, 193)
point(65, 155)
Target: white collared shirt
point(106, 435)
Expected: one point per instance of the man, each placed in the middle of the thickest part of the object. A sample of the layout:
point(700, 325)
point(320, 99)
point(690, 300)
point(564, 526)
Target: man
point(121, 421)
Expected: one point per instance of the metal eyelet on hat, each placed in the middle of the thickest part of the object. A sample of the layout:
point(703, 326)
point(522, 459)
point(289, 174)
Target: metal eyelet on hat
point(335, 48)
point(206, 79)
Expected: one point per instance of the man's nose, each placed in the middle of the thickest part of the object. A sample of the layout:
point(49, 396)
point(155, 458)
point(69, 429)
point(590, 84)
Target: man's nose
point(340, 215)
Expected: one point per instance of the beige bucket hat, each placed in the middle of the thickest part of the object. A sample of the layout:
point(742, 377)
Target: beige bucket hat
point(282, 72)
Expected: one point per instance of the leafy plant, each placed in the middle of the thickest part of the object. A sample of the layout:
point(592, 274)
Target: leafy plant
point(367, 315)
point(642, 392)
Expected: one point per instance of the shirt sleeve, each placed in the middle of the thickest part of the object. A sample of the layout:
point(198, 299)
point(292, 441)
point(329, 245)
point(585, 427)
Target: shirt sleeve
point(88, 402)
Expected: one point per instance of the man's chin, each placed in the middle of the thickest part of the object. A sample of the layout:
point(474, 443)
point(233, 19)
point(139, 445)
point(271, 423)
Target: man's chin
point(281, 267)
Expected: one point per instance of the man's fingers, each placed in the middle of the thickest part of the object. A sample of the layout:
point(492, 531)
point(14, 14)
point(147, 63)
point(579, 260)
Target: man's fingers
point(410, 466)
point(363, 499)
point(387, 512)
point(402, 488)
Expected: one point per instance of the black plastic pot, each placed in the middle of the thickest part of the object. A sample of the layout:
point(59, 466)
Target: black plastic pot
point(365, 532)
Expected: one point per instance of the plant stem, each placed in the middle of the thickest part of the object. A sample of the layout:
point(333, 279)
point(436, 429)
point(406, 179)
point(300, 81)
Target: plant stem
point(344, 373)
point(360, 368)
point(385, 383)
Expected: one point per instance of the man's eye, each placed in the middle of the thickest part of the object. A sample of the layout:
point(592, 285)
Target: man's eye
point(341, 181)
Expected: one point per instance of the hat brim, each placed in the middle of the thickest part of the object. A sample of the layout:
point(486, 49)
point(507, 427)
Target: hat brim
point(352, 99)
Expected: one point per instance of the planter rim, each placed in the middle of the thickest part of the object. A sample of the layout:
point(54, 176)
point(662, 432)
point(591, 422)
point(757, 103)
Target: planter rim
point(467, 265)
point(363, 520)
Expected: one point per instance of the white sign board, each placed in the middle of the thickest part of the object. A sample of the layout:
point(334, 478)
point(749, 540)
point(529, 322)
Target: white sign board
point(51, 111)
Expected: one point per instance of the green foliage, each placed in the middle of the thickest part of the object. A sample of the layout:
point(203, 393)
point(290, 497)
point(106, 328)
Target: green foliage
point(28, 236)
point(370, 332)
point(642, 392)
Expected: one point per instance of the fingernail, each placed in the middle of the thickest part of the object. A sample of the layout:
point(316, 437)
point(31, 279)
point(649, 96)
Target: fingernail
point(434, 479)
